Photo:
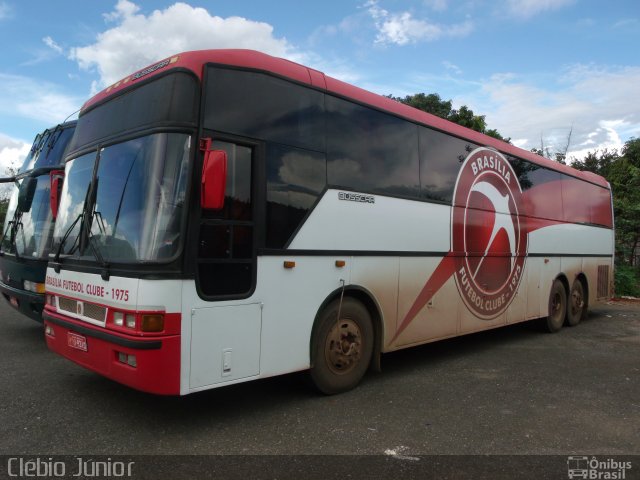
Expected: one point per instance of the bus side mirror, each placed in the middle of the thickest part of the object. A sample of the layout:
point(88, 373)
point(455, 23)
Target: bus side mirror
point(26, 192)
point(56, 179)
point(214, 179)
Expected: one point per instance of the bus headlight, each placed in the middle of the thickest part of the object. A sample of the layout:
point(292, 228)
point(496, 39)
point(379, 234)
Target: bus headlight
point(50, 300)
point(118, 319)
point(130, 320)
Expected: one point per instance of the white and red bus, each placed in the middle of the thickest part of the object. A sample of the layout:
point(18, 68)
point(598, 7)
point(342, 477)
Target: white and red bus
point(228, 216)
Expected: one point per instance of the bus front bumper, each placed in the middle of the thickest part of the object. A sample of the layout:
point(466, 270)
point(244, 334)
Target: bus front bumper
point(28, 303)
point(147, 364)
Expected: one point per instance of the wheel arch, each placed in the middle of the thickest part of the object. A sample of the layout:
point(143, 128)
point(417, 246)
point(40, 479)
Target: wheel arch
point(585, 284)
point(565, 282)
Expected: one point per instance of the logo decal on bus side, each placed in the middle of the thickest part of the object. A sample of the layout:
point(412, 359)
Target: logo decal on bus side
point(486, 228)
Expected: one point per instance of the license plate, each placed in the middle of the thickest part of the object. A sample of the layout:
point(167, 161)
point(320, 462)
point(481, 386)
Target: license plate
point(14, 301)
point(76, 341)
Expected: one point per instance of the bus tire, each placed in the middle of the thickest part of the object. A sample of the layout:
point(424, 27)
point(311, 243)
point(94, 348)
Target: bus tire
point(577, 307)
point(557, 307)
point(341, 350)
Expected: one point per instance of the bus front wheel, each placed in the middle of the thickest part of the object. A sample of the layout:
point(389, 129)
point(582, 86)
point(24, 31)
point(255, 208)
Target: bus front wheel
point(557, 307)
point(341, 348)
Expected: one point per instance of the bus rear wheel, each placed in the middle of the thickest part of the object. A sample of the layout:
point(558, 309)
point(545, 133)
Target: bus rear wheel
point(557, 307)
point(341, 348)
point(577, 308)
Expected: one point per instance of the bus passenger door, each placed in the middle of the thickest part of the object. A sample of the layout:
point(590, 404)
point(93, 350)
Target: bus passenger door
point(226, 331)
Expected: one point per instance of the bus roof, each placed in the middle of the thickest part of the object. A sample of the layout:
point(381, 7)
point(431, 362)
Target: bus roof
point(250, 59)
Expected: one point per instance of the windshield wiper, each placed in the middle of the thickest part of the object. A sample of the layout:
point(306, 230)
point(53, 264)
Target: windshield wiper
point(81, 215)
point(12, 228)
point(56, 258)
point(96, 253)
point(53, 137)
point(4, 235)
point(90, 241)
point(87, 236)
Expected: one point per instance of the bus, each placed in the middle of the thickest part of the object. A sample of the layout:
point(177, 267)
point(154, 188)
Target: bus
point(26, 237)
point(228, 216)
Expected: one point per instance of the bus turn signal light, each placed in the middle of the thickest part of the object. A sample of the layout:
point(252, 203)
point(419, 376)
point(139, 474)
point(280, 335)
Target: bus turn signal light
point(289, 264)
point(34, 287)
point(340, 263)
point(152, 322)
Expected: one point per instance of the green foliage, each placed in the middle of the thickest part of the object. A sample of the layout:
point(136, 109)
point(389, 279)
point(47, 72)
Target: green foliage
point(627, 281)
point(433, 104)
point(623, 173)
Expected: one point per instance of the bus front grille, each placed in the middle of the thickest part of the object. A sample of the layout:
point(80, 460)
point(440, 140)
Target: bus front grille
point(88, 310)
point(95, 312)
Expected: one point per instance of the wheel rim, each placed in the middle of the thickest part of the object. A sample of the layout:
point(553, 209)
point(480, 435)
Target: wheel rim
point(577, 300)
point(556, 306)
point(343, 349)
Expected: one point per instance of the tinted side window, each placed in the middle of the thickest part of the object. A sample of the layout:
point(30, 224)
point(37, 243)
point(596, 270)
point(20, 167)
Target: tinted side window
point(371, 151)
point(226, 245)
point(260, 106)
point(441, 157)
point(295, 179)
point(542, 188)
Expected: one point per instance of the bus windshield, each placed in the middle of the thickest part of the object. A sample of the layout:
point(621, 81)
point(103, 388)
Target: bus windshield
point(131, 209)
point(48, 148)
point(28, 233)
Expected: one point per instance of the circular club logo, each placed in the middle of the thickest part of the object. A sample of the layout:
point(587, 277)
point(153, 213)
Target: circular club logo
point(486, 235)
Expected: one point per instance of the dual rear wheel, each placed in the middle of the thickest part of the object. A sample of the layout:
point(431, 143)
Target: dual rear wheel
point(563, 308)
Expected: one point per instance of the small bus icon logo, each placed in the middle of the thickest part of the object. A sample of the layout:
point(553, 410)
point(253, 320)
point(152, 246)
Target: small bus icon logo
point(578, 467)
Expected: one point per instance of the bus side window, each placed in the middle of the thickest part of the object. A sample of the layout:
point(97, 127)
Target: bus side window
point(295, 180)
point(226, 243)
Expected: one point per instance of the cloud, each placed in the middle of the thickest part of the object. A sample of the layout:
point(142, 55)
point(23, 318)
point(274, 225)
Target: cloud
point(12, 154)
point(525, 9)
point(631, 24)
point(5, 10)
point(35, 99)
point(591, 102)
point(452, 67)
point(137, 40)
point(437, 5)
point(402, 28)
point(49, 42)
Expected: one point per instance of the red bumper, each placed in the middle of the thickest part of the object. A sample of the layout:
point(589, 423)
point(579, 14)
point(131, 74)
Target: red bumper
point(157, 367)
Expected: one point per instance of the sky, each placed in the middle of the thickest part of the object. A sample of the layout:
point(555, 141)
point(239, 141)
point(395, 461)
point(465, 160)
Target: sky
point(542, 71)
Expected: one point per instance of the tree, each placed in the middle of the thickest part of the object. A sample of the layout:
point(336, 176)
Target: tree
point(623, 173)
point(433, 104)
point(624, 176)
point(5, 193)
point(559, 154)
